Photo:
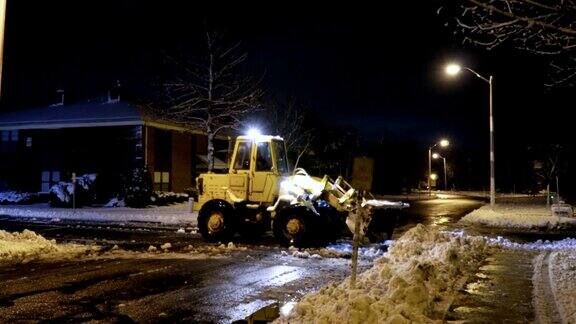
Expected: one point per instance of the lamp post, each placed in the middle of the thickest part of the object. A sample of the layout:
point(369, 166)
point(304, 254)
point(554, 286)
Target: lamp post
point(2, 28)
point(436, 156)
point(454, 69)
point(442, 143)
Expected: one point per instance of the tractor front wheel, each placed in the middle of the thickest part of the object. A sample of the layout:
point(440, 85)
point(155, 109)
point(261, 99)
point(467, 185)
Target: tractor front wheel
point(293, 226)
point(215, 221)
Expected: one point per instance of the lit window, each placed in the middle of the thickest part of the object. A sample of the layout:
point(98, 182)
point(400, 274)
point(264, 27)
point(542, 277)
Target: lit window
point(28, 141)
point(5, 136)
point(14, 136)
point(161, 181)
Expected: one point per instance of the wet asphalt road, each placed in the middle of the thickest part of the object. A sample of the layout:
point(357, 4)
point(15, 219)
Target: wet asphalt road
point(174, 287)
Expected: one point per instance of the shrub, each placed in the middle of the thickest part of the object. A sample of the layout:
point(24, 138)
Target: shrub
point(138, 191)
point(61, 194)
point(17, 198)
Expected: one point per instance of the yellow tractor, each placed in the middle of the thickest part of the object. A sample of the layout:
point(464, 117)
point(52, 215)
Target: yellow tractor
point(260, 193)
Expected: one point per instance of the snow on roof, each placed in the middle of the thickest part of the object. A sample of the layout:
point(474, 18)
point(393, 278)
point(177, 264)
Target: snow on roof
point(106, 113)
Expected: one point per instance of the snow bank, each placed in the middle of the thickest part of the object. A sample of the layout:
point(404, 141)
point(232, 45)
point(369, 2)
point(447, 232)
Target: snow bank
point(174, 214)
point(15, 197)
point(518, 216)
point(562, 272)
point(28, 246)
point(337, 250)
point(415, 281)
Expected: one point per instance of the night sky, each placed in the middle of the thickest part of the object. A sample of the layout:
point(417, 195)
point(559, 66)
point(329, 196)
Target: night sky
point(376, 68)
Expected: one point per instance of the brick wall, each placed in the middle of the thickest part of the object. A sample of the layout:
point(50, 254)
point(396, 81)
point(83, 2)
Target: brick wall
point(181, 173)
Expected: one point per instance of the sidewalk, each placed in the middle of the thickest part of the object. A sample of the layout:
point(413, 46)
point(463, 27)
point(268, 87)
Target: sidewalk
point(173, 214)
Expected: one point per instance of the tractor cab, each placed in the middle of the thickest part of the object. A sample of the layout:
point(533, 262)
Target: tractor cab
point(257, 164)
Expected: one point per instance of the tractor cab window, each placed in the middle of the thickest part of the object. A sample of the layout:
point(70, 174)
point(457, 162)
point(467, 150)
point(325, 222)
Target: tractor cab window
point(242, 161)
point(263, 157)
point(280, 150)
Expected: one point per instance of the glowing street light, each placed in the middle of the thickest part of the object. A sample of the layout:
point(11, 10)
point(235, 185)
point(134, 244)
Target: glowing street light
point(433, 176)
point(454, 69)
point(441, 143)
point(438, 156)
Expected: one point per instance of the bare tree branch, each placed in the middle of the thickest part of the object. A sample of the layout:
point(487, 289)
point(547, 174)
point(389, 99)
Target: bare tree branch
point(541, 27)
point(210, 92)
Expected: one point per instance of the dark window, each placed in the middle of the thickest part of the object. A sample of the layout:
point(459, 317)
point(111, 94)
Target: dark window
point(263, 157)
point(10, 136)
point(242, 161)
point(49, 178)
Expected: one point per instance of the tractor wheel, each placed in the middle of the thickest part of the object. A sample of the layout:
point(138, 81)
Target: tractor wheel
point(293, 226)
point(215, 221)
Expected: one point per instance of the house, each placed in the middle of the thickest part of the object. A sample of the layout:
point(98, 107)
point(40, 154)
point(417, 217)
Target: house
point(109, 137)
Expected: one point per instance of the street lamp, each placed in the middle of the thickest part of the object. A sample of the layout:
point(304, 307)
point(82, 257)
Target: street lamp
point(436, 156)
point(442, 143)
point(453, 70)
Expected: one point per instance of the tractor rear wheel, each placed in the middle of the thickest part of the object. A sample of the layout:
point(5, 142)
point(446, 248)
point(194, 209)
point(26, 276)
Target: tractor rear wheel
point(215, 221)
point(293, 226)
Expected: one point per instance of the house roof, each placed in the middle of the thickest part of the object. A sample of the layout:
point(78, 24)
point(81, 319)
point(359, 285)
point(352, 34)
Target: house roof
point(87, 114)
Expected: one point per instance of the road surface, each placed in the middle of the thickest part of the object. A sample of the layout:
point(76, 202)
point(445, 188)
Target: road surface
point(220, 288)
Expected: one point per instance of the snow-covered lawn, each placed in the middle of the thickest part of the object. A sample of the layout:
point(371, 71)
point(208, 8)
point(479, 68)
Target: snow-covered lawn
point(26, 246)
point(173, 214)
point(414, 282)
point(518, 216)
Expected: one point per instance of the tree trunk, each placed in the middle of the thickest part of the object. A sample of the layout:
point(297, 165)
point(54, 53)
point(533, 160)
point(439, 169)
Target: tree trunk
point(210, 154)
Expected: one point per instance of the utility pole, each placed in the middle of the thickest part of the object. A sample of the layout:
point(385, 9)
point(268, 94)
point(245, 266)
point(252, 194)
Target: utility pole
point(2, 28)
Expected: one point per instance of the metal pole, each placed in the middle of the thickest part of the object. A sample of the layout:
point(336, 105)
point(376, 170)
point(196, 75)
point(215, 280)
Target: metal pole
point(74, 192)
point(2, 28)
point(492, 176)
point(445, 177)
point(429, 171)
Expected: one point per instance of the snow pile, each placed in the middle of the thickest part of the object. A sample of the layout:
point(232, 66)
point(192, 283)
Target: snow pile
point(337, 250)
point(518, 216)
point(567, 243)
point(28, 246)
point(554, 282)
point(414, 282)
point(15, 197)
point(215, 250)
point(115, 202)
point(64, 190)
point(562, 272)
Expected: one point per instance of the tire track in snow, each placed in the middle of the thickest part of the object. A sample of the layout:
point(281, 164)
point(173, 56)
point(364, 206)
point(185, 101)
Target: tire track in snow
point(545, 304)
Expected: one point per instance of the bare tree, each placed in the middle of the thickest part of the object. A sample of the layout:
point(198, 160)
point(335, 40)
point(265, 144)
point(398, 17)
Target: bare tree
point(210, 92)
point(287, 118)
point(548, 165)
point(543, 27)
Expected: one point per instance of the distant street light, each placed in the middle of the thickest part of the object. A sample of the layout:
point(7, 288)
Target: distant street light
point(453, 70)
point(442, 143)
point(436, 156)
